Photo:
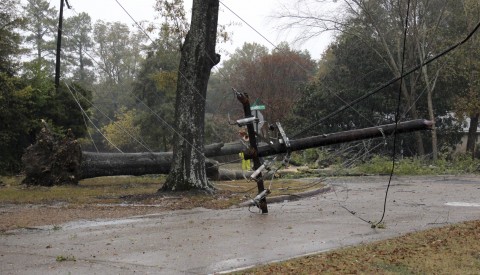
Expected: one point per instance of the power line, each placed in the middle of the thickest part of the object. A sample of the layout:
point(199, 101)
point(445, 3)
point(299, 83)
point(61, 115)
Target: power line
point(383, 86)
point(148, 36)
point(397, 115)
point(291, 59)
point(141, 142)
point(135, 21)
point(158, 117)
point(85, 113)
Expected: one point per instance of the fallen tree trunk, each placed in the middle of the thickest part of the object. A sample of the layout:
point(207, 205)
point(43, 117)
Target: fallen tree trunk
point(110, 164)
point(135, 164)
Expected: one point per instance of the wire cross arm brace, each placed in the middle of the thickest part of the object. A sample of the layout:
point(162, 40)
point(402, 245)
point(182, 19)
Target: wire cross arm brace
point(285, 139)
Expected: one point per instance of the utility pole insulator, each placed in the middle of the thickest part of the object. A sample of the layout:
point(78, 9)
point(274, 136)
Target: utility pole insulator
point(245, 121)
point(257, 172)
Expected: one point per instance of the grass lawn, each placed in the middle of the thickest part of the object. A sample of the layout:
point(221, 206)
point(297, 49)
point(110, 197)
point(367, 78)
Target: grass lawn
point(453, 249)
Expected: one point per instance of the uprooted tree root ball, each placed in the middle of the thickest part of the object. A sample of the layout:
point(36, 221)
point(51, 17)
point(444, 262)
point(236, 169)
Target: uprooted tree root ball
point(52, 160)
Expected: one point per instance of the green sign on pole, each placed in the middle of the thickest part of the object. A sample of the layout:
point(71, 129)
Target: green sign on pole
point(257, 107)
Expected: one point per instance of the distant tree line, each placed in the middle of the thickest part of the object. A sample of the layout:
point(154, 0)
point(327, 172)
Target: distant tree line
point(368, 50)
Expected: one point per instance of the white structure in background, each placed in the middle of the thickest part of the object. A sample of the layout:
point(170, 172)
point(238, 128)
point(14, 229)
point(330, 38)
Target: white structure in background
point(462, 145)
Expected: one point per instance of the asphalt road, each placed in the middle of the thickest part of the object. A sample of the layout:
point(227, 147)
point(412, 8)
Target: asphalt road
point(202, 241)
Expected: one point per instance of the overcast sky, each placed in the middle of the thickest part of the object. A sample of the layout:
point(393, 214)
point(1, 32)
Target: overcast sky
point(258, 13)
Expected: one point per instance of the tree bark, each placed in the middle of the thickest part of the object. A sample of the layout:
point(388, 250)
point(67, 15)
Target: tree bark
point(431, 115)
point(197, 59)
point(414, 113)
point(472, 134)
point(434, 129)
point(134, 164)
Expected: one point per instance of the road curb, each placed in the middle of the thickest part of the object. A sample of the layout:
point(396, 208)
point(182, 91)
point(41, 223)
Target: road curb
point(291, 197)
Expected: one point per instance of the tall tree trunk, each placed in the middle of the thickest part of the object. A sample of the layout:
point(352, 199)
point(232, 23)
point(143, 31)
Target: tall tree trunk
point(82, 67)
point(198, 58)
point(421, 32)
point(414, 113)
point(434, 128)
point(431, 114)
point(395, 66)
point(39, 47)
point(472, 134)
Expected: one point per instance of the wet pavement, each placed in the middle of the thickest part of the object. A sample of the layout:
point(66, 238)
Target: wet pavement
point(202, 241)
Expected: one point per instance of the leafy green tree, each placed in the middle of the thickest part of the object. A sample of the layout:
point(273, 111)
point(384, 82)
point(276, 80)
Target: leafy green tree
point(347, 70)
point(466, 68)
point(16, 123)
point(41, 29)
point(119, 59)
point(155, 86)
point(118, 50)
point(24, 106)
point(63, 110)
point(77, 42)
point(10, 21)
point(15, 129)
point(379, 25)
point(123, 132)
point(24, 103)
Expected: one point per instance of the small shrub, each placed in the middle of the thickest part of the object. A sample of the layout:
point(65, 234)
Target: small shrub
point(456, 164)
point(378, 165)
point(62, 258)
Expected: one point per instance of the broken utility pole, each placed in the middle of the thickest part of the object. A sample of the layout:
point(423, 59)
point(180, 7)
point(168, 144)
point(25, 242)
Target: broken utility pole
point(59, 44)
point(262, 204)
point(340, 137)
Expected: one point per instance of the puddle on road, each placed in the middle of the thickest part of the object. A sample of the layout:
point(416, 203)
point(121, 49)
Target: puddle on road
point(463, 204)
point(232, 265)
point(89, 224)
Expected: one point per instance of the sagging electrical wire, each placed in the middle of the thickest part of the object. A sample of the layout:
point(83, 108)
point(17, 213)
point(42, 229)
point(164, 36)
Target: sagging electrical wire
point(397, 118)
point(139, 100)
point(277, 48)
point(393, 80)
point(180, 73)
point(85, 113)
point(139, 139)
